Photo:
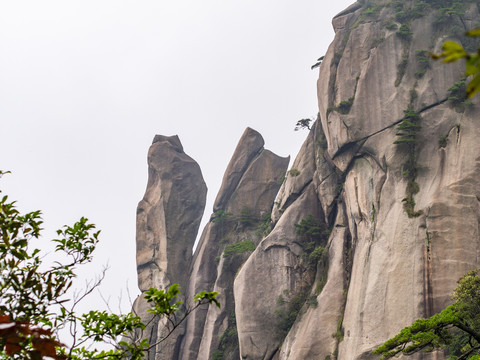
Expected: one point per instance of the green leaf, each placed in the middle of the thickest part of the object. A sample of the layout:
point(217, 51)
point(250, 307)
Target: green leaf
point(453, 51)
point(472, 65)
point(473, 86)
point(473, 32)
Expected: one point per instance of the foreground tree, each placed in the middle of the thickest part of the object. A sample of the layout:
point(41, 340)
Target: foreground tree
point(36, 301)
point(456, 329)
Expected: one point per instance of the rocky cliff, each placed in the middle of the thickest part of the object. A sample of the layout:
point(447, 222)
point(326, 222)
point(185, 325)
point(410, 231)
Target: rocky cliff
point(371, 227)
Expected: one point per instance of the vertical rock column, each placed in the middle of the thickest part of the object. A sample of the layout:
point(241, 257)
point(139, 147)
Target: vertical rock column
point(168, 218)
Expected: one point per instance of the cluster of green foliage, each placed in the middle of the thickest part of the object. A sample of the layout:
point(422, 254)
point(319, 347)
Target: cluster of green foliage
point(217, 355)
point(238, 248)
point(318, 253)
point(401, 69)
point(457, 96)
point(377, 41)
point(35, 301)
point(322, 141)
point(265, 225)
point(371, 8)
point(221, 216)
point(223, 219)
point(404, 32)
point(423, 63)
point(294, 172)
point(314, 236)
point(345, 105)
point(407, 138)
point(339, 333)
point(456, 329)
point(404, 13)
point(318, 63)
point(309, 227)
point(445, 10)
point(443, 141)
point(408, 128)
point(302, 124)
point(247, 217)
point(321, 283)
point(312, 300)
point(288, 311)
point(228, 340)
point(391, 26)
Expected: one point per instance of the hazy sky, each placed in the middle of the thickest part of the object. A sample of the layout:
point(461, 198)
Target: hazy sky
point(85, 86)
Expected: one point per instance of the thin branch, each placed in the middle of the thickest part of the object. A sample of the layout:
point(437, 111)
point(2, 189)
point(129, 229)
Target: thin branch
point(106, 302)
point(467, 354)
point(468, 330)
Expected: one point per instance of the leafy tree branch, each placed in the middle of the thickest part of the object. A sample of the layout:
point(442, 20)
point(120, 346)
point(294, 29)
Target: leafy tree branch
point(456, 329)
point(36, 300)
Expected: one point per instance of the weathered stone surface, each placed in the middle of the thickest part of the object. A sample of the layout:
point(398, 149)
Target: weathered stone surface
point(393, 268)
point(249, 146)
point(273, 269)
point(403, 268)
point(303, 341)
point(384, 268)
point(258, 185)
point(169, 214)
point(294, 183)
point(246, 196)
point(168, 218)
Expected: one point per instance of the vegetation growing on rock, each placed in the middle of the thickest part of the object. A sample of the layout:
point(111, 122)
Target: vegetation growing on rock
point(265, 225)
point(303, 124)
point(228, 340)
point(407, 137)
point(294, 172)
point(458, 97)
point(423, 63)
point(288, 311)
point(455, 329)
point(238, 248)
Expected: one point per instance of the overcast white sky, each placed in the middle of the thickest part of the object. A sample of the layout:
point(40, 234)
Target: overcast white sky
point(85, 86)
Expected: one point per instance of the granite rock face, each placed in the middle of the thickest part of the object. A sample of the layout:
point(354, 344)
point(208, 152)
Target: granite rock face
point(386, 267)
point(167, 221)
point(403, 267)
point(367, 232)
point(168, 218)
point(169, 214)
point(243, 205)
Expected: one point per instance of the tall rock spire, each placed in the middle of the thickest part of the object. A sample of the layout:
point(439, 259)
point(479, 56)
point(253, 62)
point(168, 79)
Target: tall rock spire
point(169, 214)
